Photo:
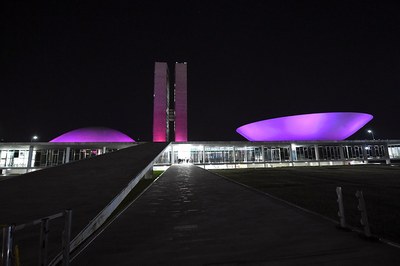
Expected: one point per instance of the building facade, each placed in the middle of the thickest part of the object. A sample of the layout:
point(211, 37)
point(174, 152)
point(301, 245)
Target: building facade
point(19, 158)
point(161, 103)
point(243, 154)
point(170, 109)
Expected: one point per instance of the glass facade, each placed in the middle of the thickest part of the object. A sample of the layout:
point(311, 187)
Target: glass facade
point(14, 158)
point(48, 157)
point(394, 151)
point(275, 154)
point(29, 156)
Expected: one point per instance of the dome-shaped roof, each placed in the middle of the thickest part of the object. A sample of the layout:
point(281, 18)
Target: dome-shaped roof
point(93, 134)
point(319, 126)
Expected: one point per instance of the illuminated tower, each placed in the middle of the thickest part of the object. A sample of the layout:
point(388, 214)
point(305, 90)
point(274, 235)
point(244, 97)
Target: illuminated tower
point(161, 103)
point(181, 102)
point(170, 117)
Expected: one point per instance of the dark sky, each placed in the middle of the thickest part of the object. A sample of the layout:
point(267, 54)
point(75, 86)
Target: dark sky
point(71, 64)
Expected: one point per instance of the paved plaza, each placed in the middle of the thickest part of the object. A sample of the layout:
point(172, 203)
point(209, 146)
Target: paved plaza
point(190, 216)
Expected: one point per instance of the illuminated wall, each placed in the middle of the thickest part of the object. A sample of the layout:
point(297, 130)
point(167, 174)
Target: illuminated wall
point(161, 102)
point(181, 102)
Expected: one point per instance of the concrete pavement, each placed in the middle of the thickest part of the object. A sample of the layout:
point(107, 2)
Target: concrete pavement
point(190, 216)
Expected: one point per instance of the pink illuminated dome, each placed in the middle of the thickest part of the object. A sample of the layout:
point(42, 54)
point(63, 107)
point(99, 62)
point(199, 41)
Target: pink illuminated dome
point(93, 134)
point(318, 126)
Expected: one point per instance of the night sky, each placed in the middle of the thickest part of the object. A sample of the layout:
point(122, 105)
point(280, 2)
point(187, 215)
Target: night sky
point(71, 64)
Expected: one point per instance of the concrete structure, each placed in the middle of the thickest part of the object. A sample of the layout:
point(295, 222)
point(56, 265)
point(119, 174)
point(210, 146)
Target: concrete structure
point(161, 103)
point(93, 134)
point(181, 102)
point(170, 109)
point(19, 158)
point(92, 188)
point(188, 216)
point(316, 126)
point(244, 154)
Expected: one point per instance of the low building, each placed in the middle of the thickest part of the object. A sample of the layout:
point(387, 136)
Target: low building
point(19, 158)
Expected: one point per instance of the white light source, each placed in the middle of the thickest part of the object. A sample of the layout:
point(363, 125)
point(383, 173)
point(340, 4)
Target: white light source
point(372, 133)
point(35, 138)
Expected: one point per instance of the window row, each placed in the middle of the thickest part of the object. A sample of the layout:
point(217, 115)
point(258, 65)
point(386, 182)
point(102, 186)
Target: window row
point(230, 154)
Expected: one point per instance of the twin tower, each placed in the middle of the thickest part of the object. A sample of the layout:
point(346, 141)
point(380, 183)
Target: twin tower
point(170, 107)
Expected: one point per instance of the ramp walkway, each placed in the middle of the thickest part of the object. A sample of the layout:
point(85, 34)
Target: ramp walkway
point(91, 188)
point(190, 216)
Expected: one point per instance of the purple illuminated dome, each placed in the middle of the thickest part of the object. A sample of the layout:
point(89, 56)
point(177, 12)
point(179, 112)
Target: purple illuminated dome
point(93, 134)
point(319, 126)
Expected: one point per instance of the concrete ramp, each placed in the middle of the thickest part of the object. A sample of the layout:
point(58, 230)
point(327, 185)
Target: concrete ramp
point(91, 188)
point(190, 216)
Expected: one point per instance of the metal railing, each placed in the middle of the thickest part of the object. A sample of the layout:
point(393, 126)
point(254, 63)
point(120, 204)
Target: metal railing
point(8, 257)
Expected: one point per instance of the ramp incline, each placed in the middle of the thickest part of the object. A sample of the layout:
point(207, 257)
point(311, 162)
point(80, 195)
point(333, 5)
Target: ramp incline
point(86, 187)
point(190, 216)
